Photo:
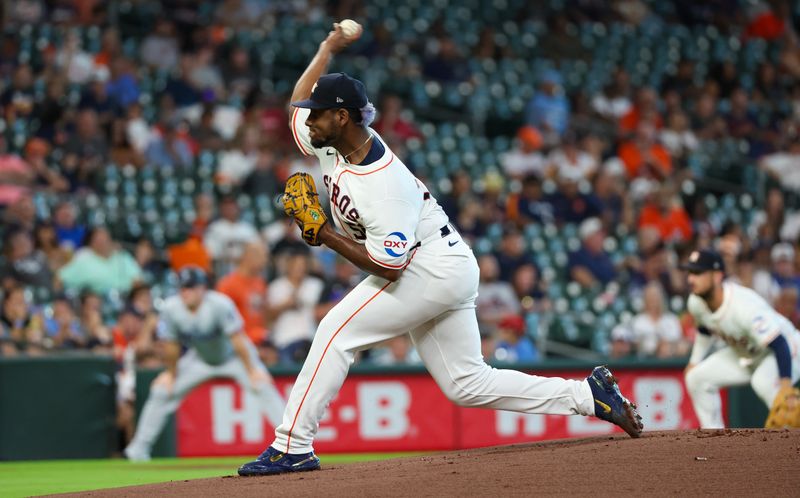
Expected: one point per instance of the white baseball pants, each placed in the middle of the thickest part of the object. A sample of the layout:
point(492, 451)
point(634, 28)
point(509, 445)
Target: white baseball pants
point(434, 301)
point(723, 369)
point(190, 373)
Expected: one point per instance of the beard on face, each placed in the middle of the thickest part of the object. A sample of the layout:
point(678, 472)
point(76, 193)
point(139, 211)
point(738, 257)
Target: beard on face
point(705, 296)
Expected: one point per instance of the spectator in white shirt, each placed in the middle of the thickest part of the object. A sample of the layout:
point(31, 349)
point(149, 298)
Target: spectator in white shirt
point(525, 159)
point(784, 166)
point(677, 136)
point(655, 331)
point(225, 238)
point(570, 163)
point(496, 298)
point(291, 301)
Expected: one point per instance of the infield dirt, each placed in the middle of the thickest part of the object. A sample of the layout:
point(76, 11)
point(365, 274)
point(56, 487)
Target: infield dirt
point(728, 462)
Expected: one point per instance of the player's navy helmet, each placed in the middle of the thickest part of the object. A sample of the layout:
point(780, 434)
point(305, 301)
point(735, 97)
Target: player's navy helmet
point(336, 91)
point(704, 260)
point(192, 276)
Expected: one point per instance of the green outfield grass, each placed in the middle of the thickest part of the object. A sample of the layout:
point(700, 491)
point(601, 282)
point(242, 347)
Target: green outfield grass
point(62, 476)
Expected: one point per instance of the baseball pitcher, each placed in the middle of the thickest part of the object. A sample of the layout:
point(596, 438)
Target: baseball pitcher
point(208, 324)
point(761, 346)
point(423, 278)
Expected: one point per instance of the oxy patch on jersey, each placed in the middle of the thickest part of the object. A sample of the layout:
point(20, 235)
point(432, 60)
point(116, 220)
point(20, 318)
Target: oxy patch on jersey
point(395, 245)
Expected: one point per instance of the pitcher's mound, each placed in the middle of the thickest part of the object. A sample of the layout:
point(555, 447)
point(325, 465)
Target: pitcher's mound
point(729, 462)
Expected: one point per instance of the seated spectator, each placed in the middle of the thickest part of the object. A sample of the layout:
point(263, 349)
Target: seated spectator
point(291, 300)
point(21, 330)
point(226, 237)
point(203, 215)
point(652, 264)
point(101, 266)
point(160, 47)
point(784, 267)
point(549, 109)
point(788, 303)
point(570, 163)
point(664, 211)
point(25, 264)
point(98, 336)
point(525, 159)
point(396, 351)
point(96, 98)
point(16, 175)
point(532, 206)
point(263, 179)
point(655, 332)
point(152, 265)
point(204, 133)
point(446, 64)
point(529, 289)
point(784, 166)
point(677, 137)
point(168, 149)
point(609, 188)
point(706, 121)
point(21, 213)
point(241, 75)
point(644, 110)
point(18, 99)
point(236, 163)
point(247, 288)
point(63, 329)
point(753, 275)
point(591, 265)
point(740, 120)
point(512, 253)
point(70, 233)
point(496, 298)
point(45, 240)
point(643, 156)
point(460, 193)
point(86, 151)
point(571, 205)
point(138, 132)
point(513, 345)
point(614, 102)
point(391, 123)
point(123, 87)
point(682, 81)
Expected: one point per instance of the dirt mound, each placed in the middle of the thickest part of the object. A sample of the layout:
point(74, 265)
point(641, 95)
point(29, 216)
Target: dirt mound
point(740, 462)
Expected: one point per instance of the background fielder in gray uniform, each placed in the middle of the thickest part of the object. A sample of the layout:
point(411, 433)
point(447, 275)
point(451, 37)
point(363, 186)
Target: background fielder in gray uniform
point(208, 324)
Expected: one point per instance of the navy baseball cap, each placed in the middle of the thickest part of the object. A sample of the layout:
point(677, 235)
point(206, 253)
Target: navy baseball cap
point(192, 276)
point(704, 260)
point(336, 91)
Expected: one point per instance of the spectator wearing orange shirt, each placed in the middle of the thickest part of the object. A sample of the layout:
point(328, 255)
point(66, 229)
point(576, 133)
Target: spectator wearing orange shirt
point(246, 286)
point(644, 109)
point(643, 156)
point(664, 212)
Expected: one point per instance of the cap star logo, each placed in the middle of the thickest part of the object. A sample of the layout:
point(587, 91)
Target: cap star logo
point(339, 100)
point(694, 257)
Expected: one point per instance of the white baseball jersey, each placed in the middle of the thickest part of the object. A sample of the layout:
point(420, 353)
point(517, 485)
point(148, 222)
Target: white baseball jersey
point(744, 321)
point(748, 325)
point(206, 329)
point(381, 204)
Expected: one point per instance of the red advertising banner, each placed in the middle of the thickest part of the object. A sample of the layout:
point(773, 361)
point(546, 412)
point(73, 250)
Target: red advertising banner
point(409, 412)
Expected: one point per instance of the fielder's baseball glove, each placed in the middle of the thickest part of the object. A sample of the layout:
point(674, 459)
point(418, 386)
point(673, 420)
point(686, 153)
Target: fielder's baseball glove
point(784, 412)
point(301, 202)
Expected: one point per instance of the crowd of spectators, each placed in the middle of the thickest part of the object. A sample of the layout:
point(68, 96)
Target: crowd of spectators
point(617, 162)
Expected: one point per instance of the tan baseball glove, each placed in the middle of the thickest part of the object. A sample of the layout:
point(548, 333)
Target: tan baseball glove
point(301, 202)
point(785, 410)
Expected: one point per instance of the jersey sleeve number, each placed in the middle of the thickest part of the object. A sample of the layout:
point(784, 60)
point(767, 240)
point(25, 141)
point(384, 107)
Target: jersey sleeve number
point(358, 231)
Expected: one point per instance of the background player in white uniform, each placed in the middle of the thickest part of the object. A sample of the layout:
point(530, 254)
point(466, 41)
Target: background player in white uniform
point(762, 347)
point(209, 325)
point(423, 281)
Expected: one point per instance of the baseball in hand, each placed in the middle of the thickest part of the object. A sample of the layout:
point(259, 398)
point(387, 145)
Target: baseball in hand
point(350, 29)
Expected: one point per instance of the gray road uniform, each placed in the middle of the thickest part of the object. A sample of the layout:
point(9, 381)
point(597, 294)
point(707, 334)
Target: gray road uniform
point(206, 333)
